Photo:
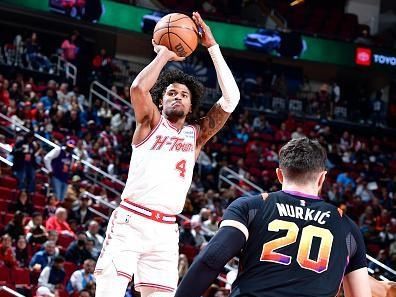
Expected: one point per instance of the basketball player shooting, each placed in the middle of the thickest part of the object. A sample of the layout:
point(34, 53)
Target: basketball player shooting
point(142, 234)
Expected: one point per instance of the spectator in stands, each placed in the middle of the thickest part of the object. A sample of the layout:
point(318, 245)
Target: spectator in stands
point(378, 110)
point(35, 231)
point(51, 206)
point(48, 100)
point(59, 223)
point(44, 292)
point(53, 236)
point(282, 134)
point(7, 256)
point(34, 56)
point(93, 234)
point(58, 162)
point(298, 133)
point(21, 252)
point(15, 227)
point(24, 160)
point(212, 224)
point(53, 276)
point(82, 214)
point(102, 67)
point(73, 190)
point(4, 95)
point(198, 234)
point(203, 215)
point(345, 180)
point(44, 257)
point(69, 48)
point(22, 204)
point(186, 237)
point(363, 191)
point(77, 251)
point(81, 278)
point(260, 124)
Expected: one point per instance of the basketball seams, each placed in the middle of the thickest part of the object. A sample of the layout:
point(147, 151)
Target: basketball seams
point(181, 28)
point(184, 17)
point(170, 44)
point(178, 36)
point(185, 28)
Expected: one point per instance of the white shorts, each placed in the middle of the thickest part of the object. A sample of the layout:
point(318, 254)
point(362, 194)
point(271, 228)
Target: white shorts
point(138, 246)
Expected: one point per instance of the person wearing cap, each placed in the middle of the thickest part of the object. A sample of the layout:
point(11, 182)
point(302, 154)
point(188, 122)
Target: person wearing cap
point(44, 292)
point(73, 189)
point(58, 163)
point(24, 162)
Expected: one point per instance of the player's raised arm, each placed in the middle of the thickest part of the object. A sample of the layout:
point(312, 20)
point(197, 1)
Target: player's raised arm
point(219, 113)
point(145, 109)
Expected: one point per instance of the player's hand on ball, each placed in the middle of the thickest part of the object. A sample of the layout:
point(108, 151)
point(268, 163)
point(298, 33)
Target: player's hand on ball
point(163, 50)
point(207, 39)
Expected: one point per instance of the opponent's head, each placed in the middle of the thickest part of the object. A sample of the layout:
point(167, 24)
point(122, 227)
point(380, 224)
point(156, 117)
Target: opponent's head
point(177, 94)
point(302, 163)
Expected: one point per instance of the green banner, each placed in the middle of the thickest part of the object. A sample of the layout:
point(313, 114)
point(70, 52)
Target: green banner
point(232, 36)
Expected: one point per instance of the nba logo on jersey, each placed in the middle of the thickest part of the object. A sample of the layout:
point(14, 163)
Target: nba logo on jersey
point(302, 202)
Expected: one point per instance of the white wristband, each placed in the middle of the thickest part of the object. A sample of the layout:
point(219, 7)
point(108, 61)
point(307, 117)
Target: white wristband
point(228, 86)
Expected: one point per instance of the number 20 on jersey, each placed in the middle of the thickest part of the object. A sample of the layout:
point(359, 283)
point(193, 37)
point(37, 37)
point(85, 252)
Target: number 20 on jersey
point(308, 233)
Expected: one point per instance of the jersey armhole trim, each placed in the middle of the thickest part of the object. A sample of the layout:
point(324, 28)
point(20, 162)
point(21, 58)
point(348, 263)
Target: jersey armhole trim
point(232, 223)
point(149, 135)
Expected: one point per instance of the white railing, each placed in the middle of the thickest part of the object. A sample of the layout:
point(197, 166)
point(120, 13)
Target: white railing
point(232, 174)
point(107, 95)
point(68, 68)
point(226, 174)
point(54, 145)
point(10, 291)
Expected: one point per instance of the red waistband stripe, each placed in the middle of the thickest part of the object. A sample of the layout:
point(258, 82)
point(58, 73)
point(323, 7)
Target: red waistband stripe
point(148, 213)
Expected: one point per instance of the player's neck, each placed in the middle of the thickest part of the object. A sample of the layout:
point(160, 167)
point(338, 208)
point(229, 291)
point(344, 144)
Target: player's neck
point(305, 189)
point(178, 123)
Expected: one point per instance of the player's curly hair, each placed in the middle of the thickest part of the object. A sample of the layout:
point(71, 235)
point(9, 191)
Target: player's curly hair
point(168, 77)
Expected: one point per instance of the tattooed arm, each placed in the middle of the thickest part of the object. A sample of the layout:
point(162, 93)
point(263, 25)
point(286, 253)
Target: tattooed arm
point(220, 112)
point(211, 124)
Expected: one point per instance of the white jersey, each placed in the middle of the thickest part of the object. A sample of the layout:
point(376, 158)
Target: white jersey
point(161, 168)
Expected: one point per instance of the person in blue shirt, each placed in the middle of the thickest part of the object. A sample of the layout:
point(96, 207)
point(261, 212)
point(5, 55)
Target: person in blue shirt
point(44, 257)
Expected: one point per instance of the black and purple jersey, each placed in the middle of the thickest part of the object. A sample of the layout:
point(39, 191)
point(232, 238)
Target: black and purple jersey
point(298, 245)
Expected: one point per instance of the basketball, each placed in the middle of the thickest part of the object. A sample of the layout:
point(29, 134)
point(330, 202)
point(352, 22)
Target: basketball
point(177, 32)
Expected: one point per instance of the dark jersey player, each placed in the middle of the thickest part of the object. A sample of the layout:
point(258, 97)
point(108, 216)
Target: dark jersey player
point(291, 243)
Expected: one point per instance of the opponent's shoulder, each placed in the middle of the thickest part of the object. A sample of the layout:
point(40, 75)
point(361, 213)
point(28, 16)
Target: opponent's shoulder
point(249, 202)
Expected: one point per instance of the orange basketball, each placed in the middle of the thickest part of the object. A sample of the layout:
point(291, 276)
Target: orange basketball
point(177, 32)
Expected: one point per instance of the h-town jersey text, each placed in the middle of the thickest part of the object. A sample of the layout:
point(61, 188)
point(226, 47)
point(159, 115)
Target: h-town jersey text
point(161, 168)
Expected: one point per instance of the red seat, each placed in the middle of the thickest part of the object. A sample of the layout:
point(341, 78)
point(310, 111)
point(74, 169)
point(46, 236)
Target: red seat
point(3, 205)
point(69, 267)
point(65, 240)
point(7, 218)
point(7, 193)
point(21, 277)
point(5, 276)
point(8, 182)
point(39, 200)
point(189, 251)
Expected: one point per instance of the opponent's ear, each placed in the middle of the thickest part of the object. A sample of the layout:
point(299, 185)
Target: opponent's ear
point(279, 174)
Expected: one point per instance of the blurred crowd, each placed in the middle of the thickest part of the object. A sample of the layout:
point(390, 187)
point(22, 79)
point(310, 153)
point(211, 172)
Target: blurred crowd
point(51, 227)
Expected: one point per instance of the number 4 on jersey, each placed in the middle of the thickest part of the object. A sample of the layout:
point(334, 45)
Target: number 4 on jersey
point(181, 167)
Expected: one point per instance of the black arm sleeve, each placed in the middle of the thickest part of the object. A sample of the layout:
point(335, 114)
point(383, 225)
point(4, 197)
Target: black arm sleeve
point(227, 243)
point(357, 249)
